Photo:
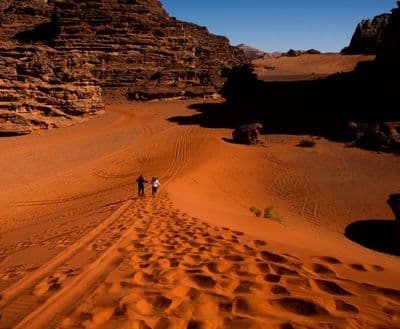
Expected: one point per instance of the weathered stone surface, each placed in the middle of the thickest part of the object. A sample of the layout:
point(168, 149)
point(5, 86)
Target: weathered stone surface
point(39, 91)
point(253, 53)
point(376, 136)
point(247, 134)
point(58, 57)
point(368, 36)
point(391, 42)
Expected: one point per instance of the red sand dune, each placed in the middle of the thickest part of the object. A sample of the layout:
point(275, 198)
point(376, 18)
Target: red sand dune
point(79, 249)
point(306, 66)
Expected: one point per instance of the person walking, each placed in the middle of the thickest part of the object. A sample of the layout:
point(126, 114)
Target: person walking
point(140, 182)
point(155, 183)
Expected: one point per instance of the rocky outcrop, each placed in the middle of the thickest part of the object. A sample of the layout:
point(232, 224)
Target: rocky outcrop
point(247, 134)
point(296, 53)
point(391, 42)
point(253, 53)
point(376, 136)
point(368, 37)
point(59, 57)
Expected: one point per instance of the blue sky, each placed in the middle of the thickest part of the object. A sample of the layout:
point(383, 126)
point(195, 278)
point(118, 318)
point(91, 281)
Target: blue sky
point(279, 25)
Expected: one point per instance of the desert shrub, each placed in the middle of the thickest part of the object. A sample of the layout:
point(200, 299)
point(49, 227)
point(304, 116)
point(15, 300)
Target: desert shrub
point(306, 143)
point(256, 211)
point(269, 213)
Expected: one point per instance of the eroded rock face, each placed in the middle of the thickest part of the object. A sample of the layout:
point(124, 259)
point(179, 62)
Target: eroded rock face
point(368, 36)
point(40, 89)
point(58, 58)
point(391, 46)
point(247, 134)
point(376, 136)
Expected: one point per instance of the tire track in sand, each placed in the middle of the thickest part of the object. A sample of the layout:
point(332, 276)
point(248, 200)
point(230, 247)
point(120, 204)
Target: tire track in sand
point(178, 160)
point(82, 285)
point(27, 283)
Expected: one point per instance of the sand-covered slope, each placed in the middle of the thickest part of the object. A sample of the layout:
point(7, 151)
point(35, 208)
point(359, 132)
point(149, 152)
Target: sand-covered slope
point(79, 249)
point(304, 67)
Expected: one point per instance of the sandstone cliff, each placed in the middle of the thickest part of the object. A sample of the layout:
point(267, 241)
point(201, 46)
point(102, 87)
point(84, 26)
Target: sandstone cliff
point(58, 58)
point(368, 36)
point(391, 46)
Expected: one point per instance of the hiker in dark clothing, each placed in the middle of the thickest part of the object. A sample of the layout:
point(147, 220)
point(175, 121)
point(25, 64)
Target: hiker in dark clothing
point(140, 182)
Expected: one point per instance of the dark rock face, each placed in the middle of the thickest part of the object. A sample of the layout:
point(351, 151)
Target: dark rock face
point(394, 203)
point(59, 57)
point(391, 39)
point(368, 37)
point(376, 136)
point(247, 134)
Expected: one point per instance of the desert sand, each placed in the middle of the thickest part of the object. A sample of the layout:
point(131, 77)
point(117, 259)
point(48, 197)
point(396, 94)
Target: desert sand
point(306, 66)
point(79, 249)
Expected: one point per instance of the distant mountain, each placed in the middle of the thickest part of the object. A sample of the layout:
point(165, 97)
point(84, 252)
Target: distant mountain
point(295, 53)
point(252, 53)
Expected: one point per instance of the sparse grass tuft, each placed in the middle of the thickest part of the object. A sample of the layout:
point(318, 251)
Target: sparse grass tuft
point(306, 143)
point(269, 213)
point(256, 211)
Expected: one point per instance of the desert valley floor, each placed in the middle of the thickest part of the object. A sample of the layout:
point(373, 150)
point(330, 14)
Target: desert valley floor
point(80, 250)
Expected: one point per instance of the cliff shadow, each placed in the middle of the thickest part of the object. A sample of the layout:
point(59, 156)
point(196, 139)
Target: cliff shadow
point(320, 107)
point(376, 234)
point(41, 33)
point(210, 115)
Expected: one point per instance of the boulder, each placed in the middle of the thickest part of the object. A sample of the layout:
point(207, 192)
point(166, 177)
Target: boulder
point(247, 134)
point(375, 136)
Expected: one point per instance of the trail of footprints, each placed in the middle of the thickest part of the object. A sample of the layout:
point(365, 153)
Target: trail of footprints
point(182, 273)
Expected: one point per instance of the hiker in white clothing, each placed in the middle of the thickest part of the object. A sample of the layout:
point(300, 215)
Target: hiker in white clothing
point(154, 185)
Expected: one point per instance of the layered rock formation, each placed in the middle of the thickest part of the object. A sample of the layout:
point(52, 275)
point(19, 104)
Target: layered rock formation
point(58, 57)
point(368, 36)
point(391, 45)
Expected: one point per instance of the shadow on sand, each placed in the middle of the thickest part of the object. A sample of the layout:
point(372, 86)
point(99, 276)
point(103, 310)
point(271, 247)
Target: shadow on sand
point(320, 107)
point(376, 234)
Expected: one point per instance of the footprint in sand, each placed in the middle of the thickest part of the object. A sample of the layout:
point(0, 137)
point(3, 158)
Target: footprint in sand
point(279, 290)
point(329, 259)
point(298, 282)
point(342, 306)
point(274, 278)
point(322, 270)
point(203, 281)
point(331, 287)
point(358, 267)
point(271, 257)
point(299, 306)
point(244, 287)
point(282, 270)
